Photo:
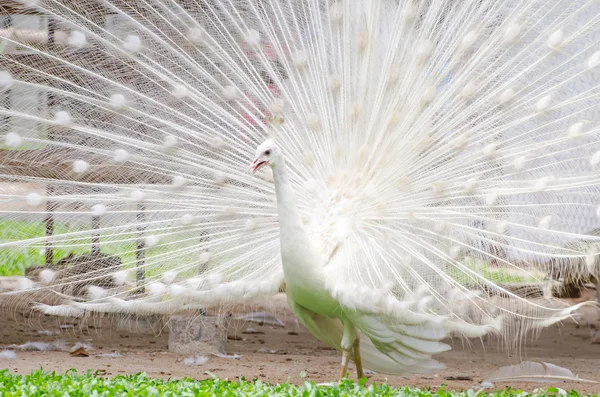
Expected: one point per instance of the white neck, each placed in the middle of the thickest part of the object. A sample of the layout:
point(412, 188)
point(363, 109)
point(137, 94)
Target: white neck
point(298, 253)
point(287, 208)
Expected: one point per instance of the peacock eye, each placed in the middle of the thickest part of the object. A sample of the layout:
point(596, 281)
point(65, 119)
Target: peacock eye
point(267, 152)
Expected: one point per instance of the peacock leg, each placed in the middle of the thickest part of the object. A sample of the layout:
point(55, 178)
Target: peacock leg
point(348, 341)
point(357, 359)
point(344, 366)
point(597, 285)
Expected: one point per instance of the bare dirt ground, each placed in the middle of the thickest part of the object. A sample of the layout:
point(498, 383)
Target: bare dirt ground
point(275, 354)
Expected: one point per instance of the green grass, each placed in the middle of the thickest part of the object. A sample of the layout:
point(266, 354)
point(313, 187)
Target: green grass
point(41, 383)
point(499, 275)
point(15, 259)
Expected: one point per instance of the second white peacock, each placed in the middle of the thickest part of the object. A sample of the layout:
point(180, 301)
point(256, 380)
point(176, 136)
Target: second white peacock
point(416, 161)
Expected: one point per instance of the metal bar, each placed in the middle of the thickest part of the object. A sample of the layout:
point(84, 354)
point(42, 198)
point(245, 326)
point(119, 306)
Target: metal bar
point(140, 254)
point(95, 236)
point(49, 221)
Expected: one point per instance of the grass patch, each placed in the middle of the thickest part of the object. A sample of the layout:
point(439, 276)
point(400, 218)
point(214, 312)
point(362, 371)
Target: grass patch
point(499, 275)
point(15, 259)
point(180, 251)
point(40, 383)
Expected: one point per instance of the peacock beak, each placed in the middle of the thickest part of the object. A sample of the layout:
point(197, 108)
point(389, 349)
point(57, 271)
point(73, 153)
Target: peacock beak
point(256, 164)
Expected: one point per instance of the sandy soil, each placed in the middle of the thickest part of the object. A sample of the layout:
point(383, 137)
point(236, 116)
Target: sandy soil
point(276, 354)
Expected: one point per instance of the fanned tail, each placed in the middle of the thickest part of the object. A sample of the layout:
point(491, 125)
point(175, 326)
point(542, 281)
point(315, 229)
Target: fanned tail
point(438, 151)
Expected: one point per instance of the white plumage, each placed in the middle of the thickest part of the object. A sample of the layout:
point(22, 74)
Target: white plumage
point(420, 154)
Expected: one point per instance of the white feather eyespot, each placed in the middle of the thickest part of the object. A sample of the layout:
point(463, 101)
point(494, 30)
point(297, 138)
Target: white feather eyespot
point(454, 251)
point(555, 39)
point(424, 50)
point(178, 181)
point(12, 139)
point(438, 187)
point(169, 141)
point(213, 280)
point(137, 195)
point(47, 276)
point(468, 90)
point(219, 178)
point(469, 39)
point(277, 106)
point(545, 222)
point(590, 261)
point(470, 184)
point(169, 276)
point(230, 93)
point(544, 103)
point(575, 129)
point(312, 120)
point(506, 96)
point(428, 95)
point(6, 80)
point(186, 219)
point(311, 185)
point(132, 43)
point(25, 284)
point(595, 159)
point(542, 183)
point(204, 258)
point(80, 166)
point(356, 106)
point(250, 224)
point(594, 60)
point(336, 12)
point(491, 198)
point(96, 293)
point(519, 163)
point(252, 37)
point(501, 226)
point(98, 209)
point(299, 59)
point(489, 149)
point(335, 82)
point(152, 240)
point(117, 101)
point(309, 158)
point(62, 117)
point(177, 290)
point(121, 155)
point(229, 212)
point(439, 227)
point(120, 277)
point(461, 141)
point(180, 91)
point(393, 74)
point(34, 199)
point(194, 282)
point(217, 143)
point(362, 40)
point(409, 12)
point(77, 39)
point(156, 288)
point(195, 35)
point(512, 31)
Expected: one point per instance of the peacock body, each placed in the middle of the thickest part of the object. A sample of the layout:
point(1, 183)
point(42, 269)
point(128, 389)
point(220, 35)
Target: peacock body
point(413, 157)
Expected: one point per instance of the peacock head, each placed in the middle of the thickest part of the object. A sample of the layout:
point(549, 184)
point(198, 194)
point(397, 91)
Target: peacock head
point(266, 154)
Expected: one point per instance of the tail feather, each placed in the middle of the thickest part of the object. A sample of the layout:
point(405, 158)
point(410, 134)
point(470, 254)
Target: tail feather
point(437, 150)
